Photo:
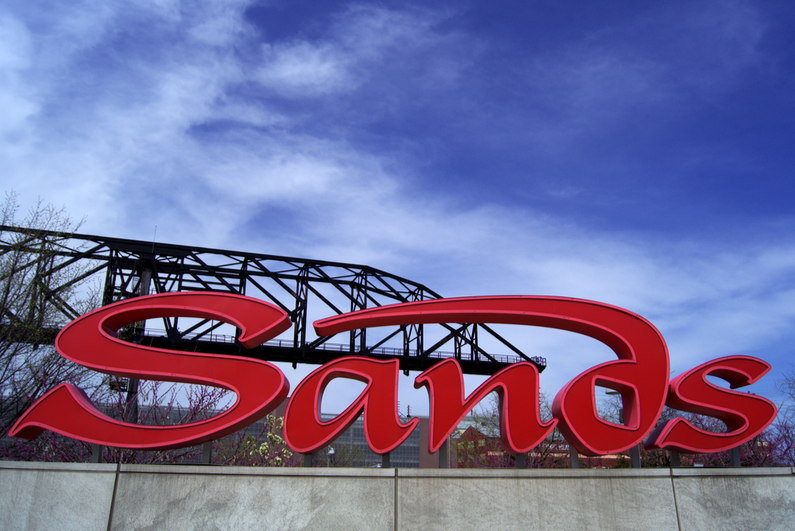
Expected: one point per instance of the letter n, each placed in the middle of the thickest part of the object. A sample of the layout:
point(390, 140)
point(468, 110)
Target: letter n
point(521, 428)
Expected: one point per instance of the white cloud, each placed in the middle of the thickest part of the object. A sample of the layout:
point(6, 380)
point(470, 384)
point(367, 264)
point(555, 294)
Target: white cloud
point(172, 134)
point(302, 69)
point(362, 44)
point(15, 57)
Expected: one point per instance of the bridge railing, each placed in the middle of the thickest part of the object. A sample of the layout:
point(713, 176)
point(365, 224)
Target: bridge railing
point(340, 347)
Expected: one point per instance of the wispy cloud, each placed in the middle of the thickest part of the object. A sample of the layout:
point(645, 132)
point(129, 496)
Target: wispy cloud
point(406, 140)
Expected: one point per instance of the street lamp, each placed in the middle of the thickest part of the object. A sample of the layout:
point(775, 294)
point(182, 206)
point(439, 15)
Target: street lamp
point(330, 457)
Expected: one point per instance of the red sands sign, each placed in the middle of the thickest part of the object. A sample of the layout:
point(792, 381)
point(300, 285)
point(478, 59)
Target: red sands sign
point(639, 375)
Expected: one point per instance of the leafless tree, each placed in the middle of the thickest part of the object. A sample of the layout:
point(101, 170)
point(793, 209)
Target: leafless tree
point(39, 290)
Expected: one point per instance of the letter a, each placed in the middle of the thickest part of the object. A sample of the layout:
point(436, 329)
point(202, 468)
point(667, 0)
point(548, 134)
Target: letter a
point(306, 433)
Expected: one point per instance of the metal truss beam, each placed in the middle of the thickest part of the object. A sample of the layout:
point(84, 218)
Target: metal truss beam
point(306, 289)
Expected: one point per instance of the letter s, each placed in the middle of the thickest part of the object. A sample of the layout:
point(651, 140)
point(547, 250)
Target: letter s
point(90, 341)
point(745, 415)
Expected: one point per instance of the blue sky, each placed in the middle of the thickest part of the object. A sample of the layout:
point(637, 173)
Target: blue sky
point(632, 153)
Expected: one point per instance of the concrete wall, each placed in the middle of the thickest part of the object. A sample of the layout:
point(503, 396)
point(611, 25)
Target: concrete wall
point(85, 497)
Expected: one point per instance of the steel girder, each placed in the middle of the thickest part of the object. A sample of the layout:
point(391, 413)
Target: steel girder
point(306, 289)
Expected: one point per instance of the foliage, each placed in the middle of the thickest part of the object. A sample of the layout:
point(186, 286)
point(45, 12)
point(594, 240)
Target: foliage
point(266, 449)
point(479, 445)
point(41, 290)
point(344, 456)
point(157, 406)
point(475, 449)
point(484, 448)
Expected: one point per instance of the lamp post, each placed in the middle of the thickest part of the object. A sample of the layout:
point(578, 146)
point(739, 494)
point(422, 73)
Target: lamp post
point(330, 457)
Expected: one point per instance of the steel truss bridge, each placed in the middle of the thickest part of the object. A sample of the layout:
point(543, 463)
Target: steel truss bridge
point(306, 289)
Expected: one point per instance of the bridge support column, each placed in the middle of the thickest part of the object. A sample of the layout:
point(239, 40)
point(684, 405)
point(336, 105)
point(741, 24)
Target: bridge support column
point(96, 453)
point(207, 453)
point(634, 456)
point(444, 455)
point(735, 453)
point(674, 456)
point(574, 457)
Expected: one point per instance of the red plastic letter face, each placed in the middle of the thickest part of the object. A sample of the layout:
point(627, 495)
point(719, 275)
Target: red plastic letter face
point(521, 428)
point(640, 374)
point(91, 342)
point(306, 433)
point(745, 415)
